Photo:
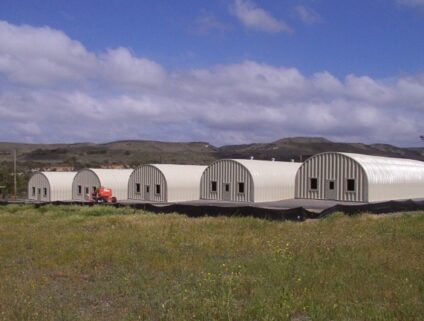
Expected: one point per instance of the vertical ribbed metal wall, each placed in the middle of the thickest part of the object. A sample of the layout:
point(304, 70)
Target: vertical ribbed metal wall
point(37, 181)
point(151, 176)
point(226, 171)
point(85, 178)
point(332, 166)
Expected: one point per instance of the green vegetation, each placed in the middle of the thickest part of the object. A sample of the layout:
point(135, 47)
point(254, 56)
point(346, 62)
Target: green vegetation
point(6, 180)
point(101, 263)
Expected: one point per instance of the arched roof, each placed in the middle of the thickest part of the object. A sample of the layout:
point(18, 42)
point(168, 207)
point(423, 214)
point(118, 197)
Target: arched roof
point(112, 177)
point(180, 176)
point(269, 173)
point(388, 170)
point(59, 180)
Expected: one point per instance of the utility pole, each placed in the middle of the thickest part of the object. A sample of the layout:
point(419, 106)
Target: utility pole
point(14, 174)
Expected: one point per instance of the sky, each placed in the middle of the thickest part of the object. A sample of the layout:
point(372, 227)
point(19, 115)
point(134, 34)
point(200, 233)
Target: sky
point(221, 71)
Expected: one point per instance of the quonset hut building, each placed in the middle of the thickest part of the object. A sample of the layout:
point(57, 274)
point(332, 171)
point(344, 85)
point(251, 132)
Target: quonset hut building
point(248, 180)
point(87, 180)
point(359, 178)
point(165, 183)
point(51, 186)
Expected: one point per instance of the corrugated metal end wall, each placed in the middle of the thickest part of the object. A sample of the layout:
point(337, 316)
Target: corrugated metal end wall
point(335, 167)
point(87, 179)
point(226, 172)
point(147, 175)
point(36, 185)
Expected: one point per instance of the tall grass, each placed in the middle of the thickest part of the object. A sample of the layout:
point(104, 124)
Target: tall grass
point(101, 263)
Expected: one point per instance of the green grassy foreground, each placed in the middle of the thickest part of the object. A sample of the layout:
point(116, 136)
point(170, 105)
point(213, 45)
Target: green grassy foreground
point(72, 263)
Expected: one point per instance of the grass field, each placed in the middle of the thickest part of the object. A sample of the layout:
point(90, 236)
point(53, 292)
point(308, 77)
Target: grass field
point(73, 263)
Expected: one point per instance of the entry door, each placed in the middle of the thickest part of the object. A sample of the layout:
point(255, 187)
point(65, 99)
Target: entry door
point(39, 194)
point(226, 192)
point(330, 190)
point(147, 192)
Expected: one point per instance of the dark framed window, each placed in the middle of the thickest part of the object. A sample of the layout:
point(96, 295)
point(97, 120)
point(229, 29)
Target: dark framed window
point(79, 189)
point(87, 190)
point(157, 189)
point(227, 187)
point(313, 184)
point(350, 185)
point(214, 186)
point(94, 189)
point(331, 185)
point(147, 189)
point(241, 187)
point(137, 188)
point(45, 191)
point(33, 191)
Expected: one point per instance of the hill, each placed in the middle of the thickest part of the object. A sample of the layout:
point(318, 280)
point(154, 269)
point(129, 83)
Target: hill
point(300, 148)
point(133, 152)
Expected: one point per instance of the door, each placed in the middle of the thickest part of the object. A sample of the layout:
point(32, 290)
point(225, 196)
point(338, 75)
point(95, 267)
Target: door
point(87, 193)
point(330, 190)
point(147, 193)
point(38, 194)
point(226, 192)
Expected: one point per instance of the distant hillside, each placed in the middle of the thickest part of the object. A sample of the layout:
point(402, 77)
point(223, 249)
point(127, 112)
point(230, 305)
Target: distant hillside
point(300, 148)
point(134, 152)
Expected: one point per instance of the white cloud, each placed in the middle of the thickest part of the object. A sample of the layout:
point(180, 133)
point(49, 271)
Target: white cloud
point(117, 95)
point(257, 18)
point(41, 55)
point(122, 68)
point(411, 3)
point(307, 15)
point(207, 23)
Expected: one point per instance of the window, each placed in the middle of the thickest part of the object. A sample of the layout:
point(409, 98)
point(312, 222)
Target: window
point(241, 188)
point(147, 189)
point(331, 185)
point(350, 185)
point(314, 184)
point(213, 186)
point(157, 189)
point(87, 190)
point(227, 187)
point(94, 189)
point(137, 188)
point(45, 191)
point(79, 189)
point(33, 191)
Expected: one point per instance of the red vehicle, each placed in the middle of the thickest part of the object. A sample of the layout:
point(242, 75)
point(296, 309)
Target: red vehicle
point(103, 195)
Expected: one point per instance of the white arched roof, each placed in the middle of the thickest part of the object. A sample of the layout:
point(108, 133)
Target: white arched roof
point(266, 173)
point(109, 178)
point(388, 170)
point(180, 176)
point(59, 180)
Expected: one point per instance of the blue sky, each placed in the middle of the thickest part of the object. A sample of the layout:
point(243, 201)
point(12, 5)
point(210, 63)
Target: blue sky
point(284, 68)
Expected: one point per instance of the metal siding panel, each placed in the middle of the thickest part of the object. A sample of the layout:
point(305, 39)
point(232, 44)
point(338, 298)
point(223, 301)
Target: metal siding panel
point(331, 166)
point(134, 179)
point(147, 175)
point(85, 178)
point(38, 180)
point(226, 171)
